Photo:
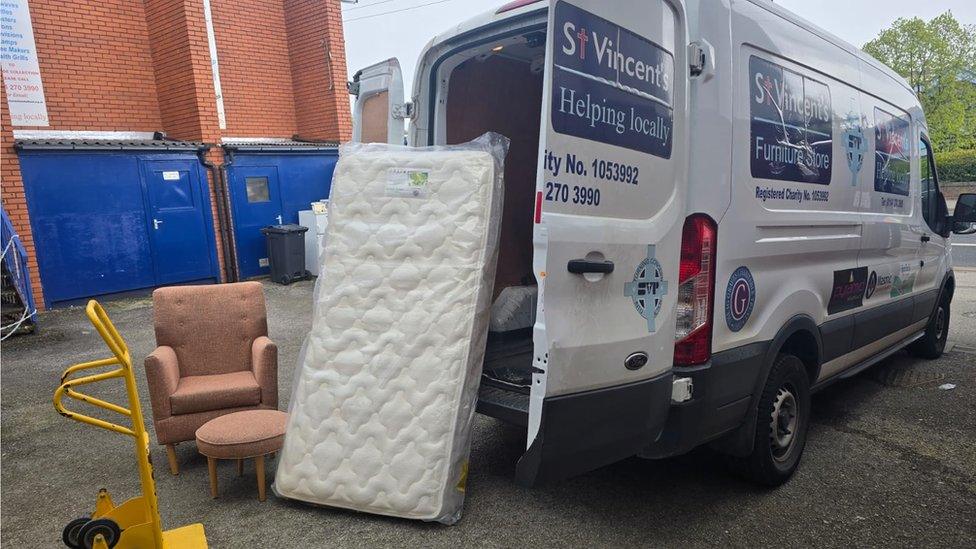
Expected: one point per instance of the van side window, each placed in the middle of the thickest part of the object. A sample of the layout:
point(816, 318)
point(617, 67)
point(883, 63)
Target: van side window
point(792, 125)
point(891, 153)
point(929, 184)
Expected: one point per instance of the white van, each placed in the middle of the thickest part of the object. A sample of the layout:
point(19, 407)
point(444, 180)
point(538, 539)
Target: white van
point(712, 209)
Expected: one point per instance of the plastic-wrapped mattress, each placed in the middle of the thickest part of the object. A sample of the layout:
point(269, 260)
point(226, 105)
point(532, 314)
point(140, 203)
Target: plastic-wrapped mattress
point(384, 395)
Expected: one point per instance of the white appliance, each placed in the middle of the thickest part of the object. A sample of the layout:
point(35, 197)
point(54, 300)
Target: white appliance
point(316, 223)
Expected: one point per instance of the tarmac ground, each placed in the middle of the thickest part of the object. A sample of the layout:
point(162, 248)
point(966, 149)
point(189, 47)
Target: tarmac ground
point(890, 460)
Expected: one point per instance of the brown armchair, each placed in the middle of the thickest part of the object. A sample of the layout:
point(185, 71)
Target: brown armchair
point(213, 357)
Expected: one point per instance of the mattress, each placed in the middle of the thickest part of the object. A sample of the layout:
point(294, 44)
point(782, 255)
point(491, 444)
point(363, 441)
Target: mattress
point(384, 396)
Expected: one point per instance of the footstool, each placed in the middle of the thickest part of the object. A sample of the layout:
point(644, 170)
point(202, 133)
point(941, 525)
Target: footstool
point(242, 435)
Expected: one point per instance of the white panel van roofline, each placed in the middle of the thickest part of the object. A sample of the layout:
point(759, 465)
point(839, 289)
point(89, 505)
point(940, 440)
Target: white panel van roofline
point(484, 18)
point(833, 39)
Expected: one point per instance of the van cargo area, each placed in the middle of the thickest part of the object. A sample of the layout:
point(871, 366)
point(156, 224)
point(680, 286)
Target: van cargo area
point(502, 92)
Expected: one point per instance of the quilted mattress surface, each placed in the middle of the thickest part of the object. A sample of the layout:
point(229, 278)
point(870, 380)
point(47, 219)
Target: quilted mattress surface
point(384, 395)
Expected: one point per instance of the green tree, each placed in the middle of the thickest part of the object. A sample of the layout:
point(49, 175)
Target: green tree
point(938, 58)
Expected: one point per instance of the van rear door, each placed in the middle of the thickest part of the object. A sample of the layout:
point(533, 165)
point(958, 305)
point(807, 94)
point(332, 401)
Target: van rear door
point(379, 110)
point(610, 195)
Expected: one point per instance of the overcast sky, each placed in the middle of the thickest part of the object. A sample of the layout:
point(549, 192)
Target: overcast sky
point(373, 34)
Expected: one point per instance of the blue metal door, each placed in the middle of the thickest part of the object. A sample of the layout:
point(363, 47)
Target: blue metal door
point(256, 194)
point(89, 222)
point(179, 231)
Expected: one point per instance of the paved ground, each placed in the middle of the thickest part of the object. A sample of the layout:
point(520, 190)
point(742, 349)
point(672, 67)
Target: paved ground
point(886, 464)
point(964, 250)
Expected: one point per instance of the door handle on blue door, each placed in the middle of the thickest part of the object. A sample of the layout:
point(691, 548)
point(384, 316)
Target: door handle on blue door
point(583, 266)
point(156, 223)
point(279, 219)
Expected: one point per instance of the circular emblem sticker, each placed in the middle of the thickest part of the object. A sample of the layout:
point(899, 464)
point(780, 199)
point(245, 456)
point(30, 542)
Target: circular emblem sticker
point(648, 288)
point(740, 296)
point(872, 285)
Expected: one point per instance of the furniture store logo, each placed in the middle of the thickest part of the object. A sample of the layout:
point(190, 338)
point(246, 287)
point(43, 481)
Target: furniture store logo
point(648, 288)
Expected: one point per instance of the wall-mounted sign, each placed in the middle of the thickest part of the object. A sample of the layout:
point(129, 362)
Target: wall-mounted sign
point(21, 73)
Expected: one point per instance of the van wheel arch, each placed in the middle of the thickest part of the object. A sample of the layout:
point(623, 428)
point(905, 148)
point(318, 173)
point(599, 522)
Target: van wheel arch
point(800, 337)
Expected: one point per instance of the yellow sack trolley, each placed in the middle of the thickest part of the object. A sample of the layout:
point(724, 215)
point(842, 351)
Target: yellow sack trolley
point(134, 524)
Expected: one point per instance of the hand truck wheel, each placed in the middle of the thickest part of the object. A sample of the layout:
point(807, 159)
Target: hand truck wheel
point(106, 527)
point(70, 533)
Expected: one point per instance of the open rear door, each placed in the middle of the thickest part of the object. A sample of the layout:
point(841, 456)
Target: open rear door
point(609, 213)
point(379, 110)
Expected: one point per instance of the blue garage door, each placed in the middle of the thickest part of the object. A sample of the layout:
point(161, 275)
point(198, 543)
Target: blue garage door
point(114, 222)
point(268, 189)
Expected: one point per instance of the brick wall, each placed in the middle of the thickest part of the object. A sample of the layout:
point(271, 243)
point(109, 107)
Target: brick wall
point(123, 65)
point(318, 67)
point(12, 194)
point(96, 65)
point(255, 76)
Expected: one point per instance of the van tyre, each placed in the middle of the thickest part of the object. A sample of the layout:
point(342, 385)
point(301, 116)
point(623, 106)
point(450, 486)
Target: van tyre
point(933, 343)
point(781, 425)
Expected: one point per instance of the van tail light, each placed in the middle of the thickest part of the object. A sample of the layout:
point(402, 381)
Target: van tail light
point(696, 292)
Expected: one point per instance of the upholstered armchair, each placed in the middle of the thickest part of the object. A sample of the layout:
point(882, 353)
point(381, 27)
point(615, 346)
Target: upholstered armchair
point(213, 357)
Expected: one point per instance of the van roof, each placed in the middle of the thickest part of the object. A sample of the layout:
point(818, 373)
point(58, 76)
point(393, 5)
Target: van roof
point(833, 39)
point(517, 8)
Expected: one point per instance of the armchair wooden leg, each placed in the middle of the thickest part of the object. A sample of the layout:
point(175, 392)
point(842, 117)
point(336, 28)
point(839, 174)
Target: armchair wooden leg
point(240, 467)
point(259, 466)
point(212, 468)
point(174, 467)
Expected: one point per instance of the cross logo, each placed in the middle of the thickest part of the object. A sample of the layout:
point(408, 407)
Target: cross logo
point(648, 288)
point(854, 144)
point(583, 39)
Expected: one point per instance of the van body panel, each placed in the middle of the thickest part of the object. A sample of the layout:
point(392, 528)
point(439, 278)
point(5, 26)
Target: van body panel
point(610, 190)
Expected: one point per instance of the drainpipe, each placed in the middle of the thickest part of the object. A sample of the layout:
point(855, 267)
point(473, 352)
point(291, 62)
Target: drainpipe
point(222, 221)
point(224, 178)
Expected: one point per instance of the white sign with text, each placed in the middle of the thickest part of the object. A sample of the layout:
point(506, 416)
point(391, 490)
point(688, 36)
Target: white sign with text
point(21, 73)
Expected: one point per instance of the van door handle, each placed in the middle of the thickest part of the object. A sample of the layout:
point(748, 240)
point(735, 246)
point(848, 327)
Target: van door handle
point(583, 266)
point(926, 238)
point(156, 223)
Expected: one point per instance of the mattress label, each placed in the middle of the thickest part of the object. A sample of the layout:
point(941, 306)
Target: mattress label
point(404, 183)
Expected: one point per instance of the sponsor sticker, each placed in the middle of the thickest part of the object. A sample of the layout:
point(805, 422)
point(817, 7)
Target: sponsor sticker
point(648, 288)
point(872, 285)
point(848, 290)
point(740, 297)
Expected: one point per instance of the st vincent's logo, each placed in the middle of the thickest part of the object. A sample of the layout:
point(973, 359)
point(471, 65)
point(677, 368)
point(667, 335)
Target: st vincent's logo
point(855, 145)
point(740, 297)
point(648, 288)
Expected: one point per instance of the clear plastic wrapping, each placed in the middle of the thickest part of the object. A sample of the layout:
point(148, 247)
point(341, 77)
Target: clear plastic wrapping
point(385, 392)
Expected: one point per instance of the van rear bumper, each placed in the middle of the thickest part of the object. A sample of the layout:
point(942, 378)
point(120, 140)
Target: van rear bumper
point(583, 431)
point(723, 391)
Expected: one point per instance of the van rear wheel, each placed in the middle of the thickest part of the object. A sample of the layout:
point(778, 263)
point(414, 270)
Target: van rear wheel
point(781, 424)
point(933, 343)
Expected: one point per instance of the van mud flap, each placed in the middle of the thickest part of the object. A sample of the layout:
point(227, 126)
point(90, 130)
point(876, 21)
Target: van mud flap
point(585, 431)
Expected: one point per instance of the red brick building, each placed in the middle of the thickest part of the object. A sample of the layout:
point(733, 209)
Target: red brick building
point(138, 78)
